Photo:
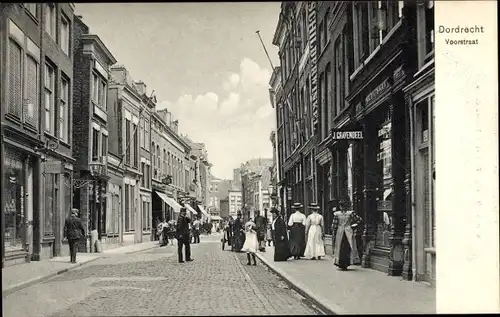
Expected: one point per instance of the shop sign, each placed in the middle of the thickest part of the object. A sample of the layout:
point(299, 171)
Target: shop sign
point(380, 89)
point(386, 153)
point(347, 135)
point(53, 167)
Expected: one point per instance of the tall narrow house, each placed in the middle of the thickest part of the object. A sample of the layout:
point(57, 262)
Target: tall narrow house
point(92, 60)
point(36, 74)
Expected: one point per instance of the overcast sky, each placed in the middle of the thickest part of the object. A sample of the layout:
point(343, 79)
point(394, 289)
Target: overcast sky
point(206, 65)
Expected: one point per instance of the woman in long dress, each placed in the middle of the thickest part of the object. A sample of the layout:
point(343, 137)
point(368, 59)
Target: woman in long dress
point(281, 245)
point(238, 233)
point(345, 249)
point(315, 247)
point(296, 223)
point(251, 244)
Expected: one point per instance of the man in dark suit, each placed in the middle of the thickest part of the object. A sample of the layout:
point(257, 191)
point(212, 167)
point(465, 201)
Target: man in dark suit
point(182, 235)
point(73, 231)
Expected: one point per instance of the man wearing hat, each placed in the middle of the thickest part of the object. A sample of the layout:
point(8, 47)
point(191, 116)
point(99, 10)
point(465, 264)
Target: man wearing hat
point(297, 223)
point(73, 231)
point(281, 245)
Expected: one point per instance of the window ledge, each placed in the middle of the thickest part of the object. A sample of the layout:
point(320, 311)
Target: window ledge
point(430, 250)
point(50, 136)
point(424, 68)
point(64, 143)
point(31, 15)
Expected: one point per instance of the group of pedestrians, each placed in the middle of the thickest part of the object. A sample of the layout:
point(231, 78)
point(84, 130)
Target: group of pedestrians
point(303, 237)
point(249, 237)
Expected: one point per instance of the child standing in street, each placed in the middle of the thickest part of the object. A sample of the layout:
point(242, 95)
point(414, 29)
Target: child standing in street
point(269, 234)
point(251, 244)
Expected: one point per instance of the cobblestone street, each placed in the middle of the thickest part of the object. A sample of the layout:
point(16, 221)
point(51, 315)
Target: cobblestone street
point(154, 283)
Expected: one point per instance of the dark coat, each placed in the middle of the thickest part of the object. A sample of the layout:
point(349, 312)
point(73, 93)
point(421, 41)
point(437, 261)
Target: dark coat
point(182, 229)
point(281, 244)
point(73, 228)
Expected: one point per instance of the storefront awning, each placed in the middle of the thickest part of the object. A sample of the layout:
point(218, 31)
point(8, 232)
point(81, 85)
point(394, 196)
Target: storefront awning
point(169, 201)
point(203, 210)
point(190, 209)
point(216, 218)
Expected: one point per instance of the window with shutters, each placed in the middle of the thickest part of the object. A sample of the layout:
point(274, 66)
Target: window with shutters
point(15, 79)
point(63, 109)
point(64, 36)
point(50, 19)
point(49, 98)
point(31, 101)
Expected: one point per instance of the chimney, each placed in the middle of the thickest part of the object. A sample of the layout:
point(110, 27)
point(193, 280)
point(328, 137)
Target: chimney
point(141, 87)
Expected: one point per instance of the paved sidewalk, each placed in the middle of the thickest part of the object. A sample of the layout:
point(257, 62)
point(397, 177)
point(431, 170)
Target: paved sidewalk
point(357, 291)
point(17, 277)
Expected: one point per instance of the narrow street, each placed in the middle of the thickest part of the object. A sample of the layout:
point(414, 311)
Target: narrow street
point(153, 283)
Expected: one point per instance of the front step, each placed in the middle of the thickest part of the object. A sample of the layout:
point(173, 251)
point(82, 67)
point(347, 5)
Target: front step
point(15, 257)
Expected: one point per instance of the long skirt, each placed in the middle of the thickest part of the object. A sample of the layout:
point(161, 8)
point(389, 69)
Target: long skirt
point(297, 239)
point(281, 249)
point(315, 246)
point(239, 240)
point(251, 244)
point(345, 256)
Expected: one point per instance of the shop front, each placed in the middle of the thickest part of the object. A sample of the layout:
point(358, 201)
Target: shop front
point(18, 192)
point(380, 111)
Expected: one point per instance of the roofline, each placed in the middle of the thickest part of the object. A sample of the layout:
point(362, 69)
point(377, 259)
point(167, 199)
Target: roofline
point(175, 135)
point(96, 38)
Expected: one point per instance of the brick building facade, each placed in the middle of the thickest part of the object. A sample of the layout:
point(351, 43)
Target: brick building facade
point(375, 76)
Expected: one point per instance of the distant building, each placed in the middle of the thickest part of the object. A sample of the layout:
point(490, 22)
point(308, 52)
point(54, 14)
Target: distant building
point(256, 181)
point(235, 202)
point(218, 190)
point(224, 207)
point(199, 156)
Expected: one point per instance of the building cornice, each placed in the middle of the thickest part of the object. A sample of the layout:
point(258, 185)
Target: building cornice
point(93, 38)
point(171, 132)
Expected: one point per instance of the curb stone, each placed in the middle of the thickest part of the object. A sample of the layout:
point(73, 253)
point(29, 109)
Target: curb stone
point(327, 309)
point(43, 278)
point(40, 279)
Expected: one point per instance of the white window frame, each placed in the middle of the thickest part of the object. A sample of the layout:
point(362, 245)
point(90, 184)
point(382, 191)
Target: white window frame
point(99, 94)
point(50, 11)
point(97, 144)
point(65, 34)
point(49, 98)
point(64, 109)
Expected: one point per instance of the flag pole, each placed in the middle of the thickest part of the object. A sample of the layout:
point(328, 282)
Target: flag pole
point(265, 50)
